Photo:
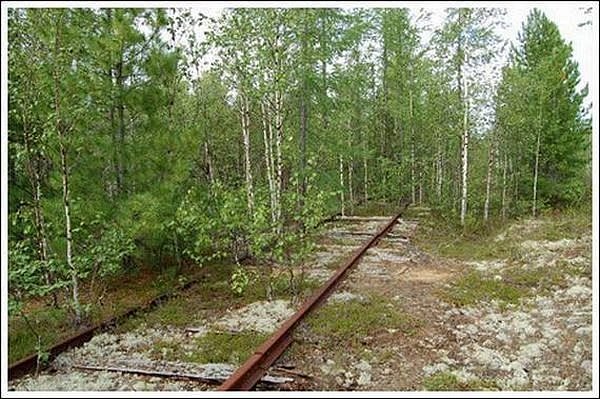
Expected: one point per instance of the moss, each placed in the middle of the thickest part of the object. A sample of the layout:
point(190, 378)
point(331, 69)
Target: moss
point(166, 350)
point(543, 279)
point(216, 347)
point(445, 381)
point(353, 320)
point(474, 287)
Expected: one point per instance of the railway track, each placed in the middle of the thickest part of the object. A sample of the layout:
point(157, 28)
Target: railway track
point(256, 366)
point(263, 358)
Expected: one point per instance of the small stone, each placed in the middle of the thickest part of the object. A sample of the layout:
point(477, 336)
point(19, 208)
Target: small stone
point(587, 366)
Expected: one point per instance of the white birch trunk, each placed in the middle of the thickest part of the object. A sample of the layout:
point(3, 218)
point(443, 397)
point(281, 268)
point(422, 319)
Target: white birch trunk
point(65, 179)
point(278, 149)
point(245, 117)
point(505, 167)
point(350, 188)
point(268, 140)
point(465, 155)
point(488, 183)
point(535, 172)
point(342, 186)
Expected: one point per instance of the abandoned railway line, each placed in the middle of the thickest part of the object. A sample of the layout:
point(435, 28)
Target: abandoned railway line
point(378, 318)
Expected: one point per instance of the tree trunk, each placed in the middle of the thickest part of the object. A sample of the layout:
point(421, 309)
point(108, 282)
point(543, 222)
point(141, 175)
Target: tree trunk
point(209, 165)
point(488, 182)
point(505, 167)
point(303, 128)
point(439, 171)
point(268, 141)
point(420, 187)
point(350, 186)
point(303, 117)
point(413, 187)
point(121, 135)
point(366, 180)
point(60, 130)
point(537, 162)
point(342, 186)
point(33, 170)
point(465, 154)
point(278, 153)
point(245, 118)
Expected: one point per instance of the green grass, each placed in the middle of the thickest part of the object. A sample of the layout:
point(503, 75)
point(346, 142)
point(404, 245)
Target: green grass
point(440, 237)
point(474, 287)
point(516, 282)
point(353, 320)
point(444, 237)
point(569, 223)
point(444, 381)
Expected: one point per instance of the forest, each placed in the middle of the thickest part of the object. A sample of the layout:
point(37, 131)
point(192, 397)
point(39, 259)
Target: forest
point(169, 141)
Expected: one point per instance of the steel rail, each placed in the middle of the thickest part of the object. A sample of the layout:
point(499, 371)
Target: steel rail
point(249, 373)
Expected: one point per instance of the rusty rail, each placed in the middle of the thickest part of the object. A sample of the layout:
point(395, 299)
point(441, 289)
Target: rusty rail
point(245, 377)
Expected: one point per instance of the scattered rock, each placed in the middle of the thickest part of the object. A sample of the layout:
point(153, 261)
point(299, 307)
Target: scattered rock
point(364, 370)
point(345, 296)
point(435, 368)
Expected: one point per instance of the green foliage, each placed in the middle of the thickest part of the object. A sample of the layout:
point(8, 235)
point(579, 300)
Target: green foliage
point(194, 225)
point(539, 96)
point(104, 249)
point(240, 279)
point(156, 161)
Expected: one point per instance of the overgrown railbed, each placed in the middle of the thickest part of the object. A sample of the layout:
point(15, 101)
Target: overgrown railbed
point(521, 308)
point(407, 318)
